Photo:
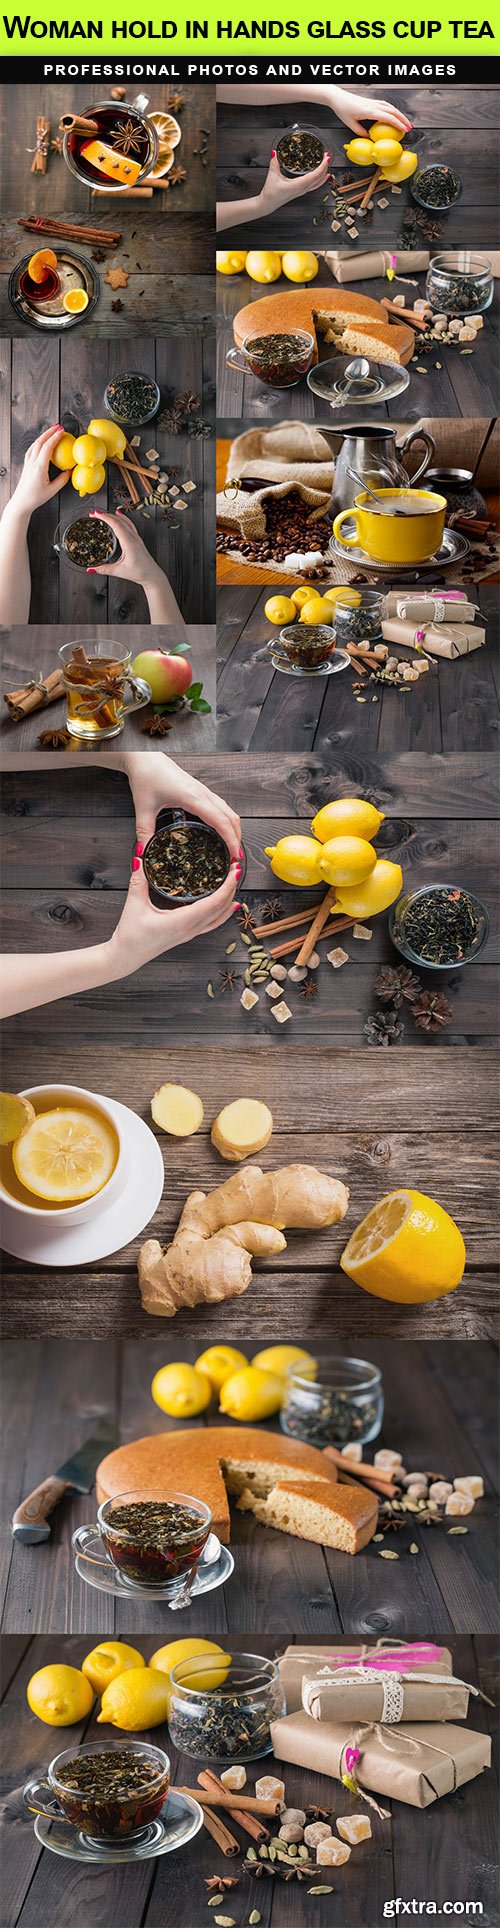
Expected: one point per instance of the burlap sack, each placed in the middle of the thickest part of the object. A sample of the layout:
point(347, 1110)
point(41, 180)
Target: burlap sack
point(293, 456)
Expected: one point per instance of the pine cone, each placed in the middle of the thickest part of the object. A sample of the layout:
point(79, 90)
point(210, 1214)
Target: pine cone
point(384, 1028)
point(395, 983)
point(432, 1011)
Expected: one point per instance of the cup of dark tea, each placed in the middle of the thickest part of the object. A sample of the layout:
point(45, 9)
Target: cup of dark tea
point(40, 291)
point(111, 146)
point(280, 359)
point(186, 859)
point(152, 1541)
point(108, 1791)
point(299, 150)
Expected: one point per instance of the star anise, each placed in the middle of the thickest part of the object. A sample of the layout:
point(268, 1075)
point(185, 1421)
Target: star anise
point(157, 726)
point(126, 139)
point(99, 254)
point(54, 740)
point(308, 988)
point(395, 983)
point(384, 1028)
point(246, 922)
point(228, 978)
point(221, 1882)
point(176, 174)
point(117, 307)
point(270, 910)
point(175, 103)
point(56, 145)
point(432, 1012)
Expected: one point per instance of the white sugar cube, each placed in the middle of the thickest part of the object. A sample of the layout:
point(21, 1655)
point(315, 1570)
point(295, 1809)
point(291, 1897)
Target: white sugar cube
point(270, 1786)
point(316, 1833)
point(439, 1491)
point(361, 931)
point(281, 1012)
point(387, 1458)
point(459, 1504)
point(353, 1451)
point(248, 998)
point(272, 989)
point(337, 958)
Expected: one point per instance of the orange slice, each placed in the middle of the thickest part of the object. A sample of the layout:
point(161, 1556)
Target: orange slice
point(75, 300)
point(37, 267)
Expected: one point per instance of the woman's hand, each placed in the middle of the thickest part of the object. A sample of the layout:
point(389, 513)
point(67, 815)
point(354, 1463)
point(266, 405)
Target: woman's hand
point(143, 932)
point(277, 190)
point(353, 109)
point(156, 781)
point(135, 563)
point(35, 486)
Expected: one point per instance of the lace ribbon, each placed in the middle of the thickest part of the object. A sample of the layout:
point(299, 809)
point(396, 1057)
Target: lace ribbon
point(392, 1686)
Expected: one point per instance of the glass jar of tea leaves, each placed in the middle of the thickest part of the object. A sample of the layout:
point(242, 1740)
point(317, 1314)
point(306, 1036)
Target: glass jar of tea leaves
point(132, 400)
point(299, 150)
point(345, 1404)
point(222, 1711)
point(459, 283)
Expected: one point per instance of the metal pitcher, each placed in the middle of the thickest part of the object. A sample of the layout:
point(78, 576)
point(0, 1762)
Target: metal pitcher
point(366, 449)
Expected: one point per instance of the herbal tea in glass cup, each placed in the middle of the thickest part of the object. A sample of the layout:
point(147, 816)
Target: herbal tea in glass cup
point(95, 689)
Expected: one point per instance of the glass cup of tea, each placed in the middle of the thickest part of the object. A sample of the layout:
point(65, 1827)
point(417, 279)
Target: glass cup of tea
point(151, 1541)
point(108, 1791)
point(111, 146)
point(280, 359)
point(40, 291)
point(95, 684)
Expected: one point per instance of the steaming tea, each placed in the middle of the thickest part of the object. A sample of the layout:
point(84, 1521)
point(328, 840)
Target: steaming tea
point(70, 1159)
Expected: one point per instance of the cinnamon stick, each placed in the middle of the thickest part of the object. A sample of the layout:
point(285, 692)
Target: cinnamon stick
point(126, 194)
point(365, 203)
point(403, 314)
point(208, 1780)
point(222, 1798)
point(39, 162)
point(363, 1470)
point(364, 656)
point(221, 1836)
point(34, 696)
point(77, 124)
point(284, 924)
point(37, 224)
point(318, 922)
point(329, 931)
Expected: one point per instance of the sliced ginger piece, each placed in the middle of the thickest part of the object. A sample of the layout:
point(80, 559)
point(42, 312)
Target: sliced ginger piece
point(242, 1128)
point(15, 1114)
point(177, 1111)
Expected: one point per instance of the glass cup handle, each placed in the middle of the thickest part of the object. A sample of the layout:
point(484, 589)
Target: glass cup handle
point(86, 1541)
point(232, 359)
point(32, 1795)
point(142, 694)
point(141, 102)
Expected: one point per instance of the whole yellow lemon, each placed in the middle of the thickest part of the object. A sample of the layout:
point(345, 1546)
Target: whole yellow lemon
point(296, 859)
point(263, 264)
point(386, 154)
point(317, 610)
point(110, 434)
point(283, 1360)
point(251, 1395)
point(87, 480)
point(360, 150)
point(402, 169)
point(218, 1363)
point(343, 594)
point(300, 265)
point(89, 450)
point(381, 131)
point(138, 1699)
point(347, 817)
point(230, 261)
point(301, 596)
point(63, 456)
point(173, 1653)
point(180, 1390)
point(372, 894)
point(280, 609)
point(107, 1661)
point(59, 1695)
point(347, 860)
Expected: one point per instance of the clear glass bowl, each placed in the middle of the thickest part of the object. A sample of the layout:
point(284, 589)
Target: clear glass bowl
point(399, 912)
point(419, 187)
point(299, 150)
point(460, 283)
point(63, 538)
point(359, 622)
point(229, 1721)
point(346, 1404)
point(139, 420)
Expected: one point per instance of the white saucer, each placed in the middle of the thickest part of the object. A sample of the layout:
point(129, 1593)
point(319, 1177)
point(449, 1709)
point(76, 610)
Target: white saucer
point(179, 1821)
point(113, 1226)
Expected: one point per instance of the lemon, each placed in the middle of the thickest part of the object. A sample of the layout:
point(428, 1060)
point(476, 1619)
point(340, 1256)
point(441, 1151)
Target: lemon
point(347, 817)
point(296, 860)
point(386, 154)
point(62, 456)
point(59, 1695)
point(89, 450)
point(138, 1699)
point(218, 1363)
point(230, 261)
point(189, 1647)
point(280, 609)
point(347, 861)
point(251, 1395)
point(262, 264)
point(301, 596)
point(344, 594)
point(15, 1115)
point(88, 478)
point(372, 894)
point(284, 1360)
point(381, 131)
point(360, 150)
point(300, 265)
point(401, 170)
point(406, 1249)
point(109, 1660)
point(75, 301)
point(65, 1155)
point(109, 433)
point(317, 610)
point(180, 1390)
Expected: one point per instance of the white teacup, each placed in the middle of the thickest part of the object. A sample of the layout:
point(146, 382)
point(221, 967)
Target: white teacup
point(60, 1216)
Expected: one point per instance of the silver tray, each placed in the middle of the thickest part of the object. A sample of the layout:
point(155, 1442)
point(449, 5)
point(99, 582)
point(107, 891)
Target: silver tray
point(386, 380)
point(178, 1822)
point(453, 549)
point(74, 272)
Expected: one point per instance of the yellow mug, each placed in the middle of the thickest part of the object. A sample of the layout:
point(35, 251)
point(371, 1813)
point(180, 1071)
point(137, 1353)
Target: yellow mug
point(400, 538)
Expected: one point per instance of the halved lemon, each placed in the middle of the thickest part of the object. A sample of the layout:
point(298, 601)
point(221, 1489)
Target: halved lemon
point(406, 1249)
point(75, 300)
point(40, 262)
point(15, 1115)
point(65, 1155)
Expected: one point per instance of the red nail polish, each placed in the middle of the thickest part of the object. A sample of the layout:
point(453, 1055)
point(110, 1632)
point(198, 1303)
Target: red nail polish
point(136, 864)
point(241, 853)
point(236, 906)
point(91, 572)
point(139, 850)
point(273, 153)
point(238, 871)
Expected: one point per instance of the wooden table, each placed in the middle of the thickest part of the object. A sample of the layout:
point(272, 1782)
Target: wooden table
point(448, 1851)
point(168, 257)
point(25, 653)
point(45, 381)
point(453, 707)
point(446, 128)
point(440, 1412)
point(453, 384)
point(58, 192)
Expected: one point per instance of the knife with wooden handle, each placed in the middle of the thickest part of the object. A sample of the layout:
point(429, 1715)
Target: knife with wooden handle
point(31, 1523)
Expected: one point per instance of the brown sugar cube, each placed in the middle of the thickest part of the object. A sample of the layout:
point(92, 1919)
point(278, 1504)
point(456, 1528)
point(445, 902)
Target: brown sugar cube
point(472, 1485)
point(353, 1829)
point(439, 1491)
point(235, 1777)
point(270, 1786)
point(387, 1458)
point(330, 1852)
point(316, 1833)
point(459, 1504)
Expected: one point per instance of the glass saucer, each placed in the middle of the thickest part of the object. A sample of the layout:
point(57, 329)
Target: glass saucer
point(94, 1567)
point(180, 1820)
point(385, 380)
point(338, 661)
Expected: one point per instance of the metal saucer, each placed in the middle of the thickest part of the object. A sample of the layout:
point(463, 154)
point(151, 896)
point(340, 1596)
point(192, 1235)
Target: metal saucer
point(215, 1568)
point(453, 549)
point(178, 1822)
point(74, 272)
point(339, 660)
point(386, 380)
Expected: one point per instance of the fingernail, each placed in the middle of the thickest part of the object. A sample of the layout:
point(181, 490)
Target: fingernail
point(236, 906)
point(136, 864)
point(273, 153)
point(91, 572)
point(241, 853)
point(238, 871)
point(139, 850)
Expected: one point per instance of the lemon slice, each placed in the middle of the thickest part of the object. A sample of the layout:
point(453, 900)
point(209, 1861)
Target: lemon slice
point(65, 1155)
point(406, 1249)
point(15, 1114)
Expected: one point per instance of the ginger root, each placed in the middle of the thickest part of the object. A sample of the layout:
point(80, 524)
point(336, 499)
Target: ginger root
point(242, 1128)
point(219, 1233)
point(176, 1110)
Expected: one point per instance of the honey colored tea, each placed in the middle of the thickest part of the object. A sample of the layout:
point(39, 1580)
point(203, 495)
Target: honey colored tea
point(95, 690)
point(97, 1153)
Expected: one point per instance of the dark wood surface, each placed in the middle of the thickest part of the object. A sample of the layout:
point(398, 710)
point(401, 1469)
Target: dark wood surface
point(453, 383)
point(453, 707)
point(58, 190)
point(26, 653)
point(440, 1413)
point(447, 1851)
point(42, 382)
point(168, 258)
point(446, 127)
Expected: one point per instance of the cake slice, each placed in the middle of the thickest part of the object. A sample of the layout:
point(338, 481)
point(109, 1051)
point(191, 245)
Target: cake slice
point(209, 1463)
point(334, 1515)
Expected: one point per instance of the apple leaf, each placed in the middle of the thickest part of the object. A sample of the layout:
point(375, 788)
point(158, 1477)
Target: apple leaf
point(194, 690)
point(201, 705)
point(178, 649)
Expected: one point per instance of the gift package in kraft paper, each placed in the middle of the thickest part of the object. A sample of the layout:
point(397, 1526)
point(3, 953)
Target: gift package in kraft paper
point(358, 1694)
point(416, 1764)
point(384, 1656)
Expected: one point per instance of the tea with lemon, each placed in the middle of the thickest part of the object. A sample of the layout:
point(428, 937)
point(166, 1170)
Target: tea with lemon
point(67, 1154)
